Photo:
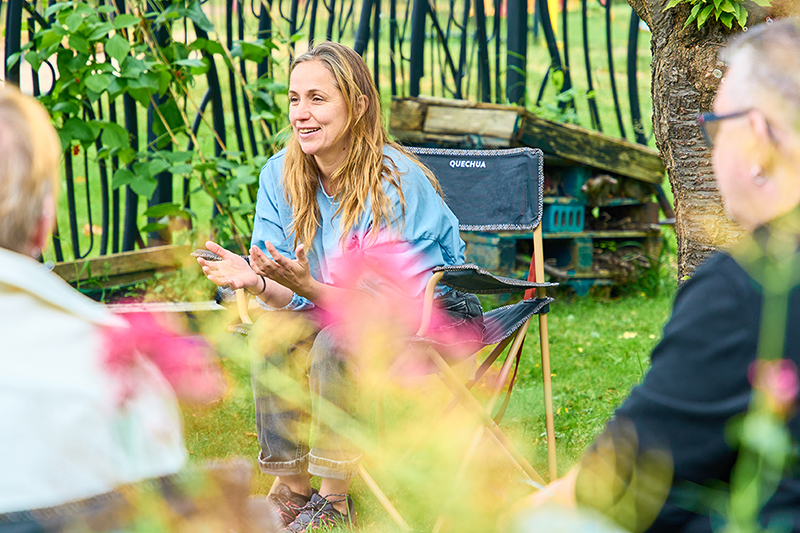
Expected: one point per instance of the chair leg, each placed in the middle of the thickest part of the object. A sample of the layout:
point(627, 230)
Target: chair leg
point(462, 471)
point(478, 436)
point(382, 499)
point(469, 402)
point(454, 402)
point(274, 485)
point(548, 398)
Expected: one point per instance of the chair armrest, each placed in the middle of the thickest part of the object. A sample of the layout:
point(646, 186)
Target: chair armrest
point(223, 293)
point(474, 279)
point(427, 304)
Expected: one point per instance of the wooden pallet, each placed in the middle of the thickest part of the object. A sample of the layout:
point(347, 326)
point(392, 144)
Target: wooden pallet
point(427, 121)
point(576, 254)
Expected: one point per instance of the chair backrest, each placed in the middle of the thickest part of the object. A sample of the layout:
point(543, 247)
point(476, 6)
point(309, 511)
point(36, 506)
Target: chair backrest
point(489, 190)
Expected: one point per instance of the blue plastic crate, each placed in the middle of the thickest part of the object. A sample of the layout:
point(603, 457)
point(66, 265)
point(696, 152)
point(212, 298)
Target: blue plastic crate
point(563, 218)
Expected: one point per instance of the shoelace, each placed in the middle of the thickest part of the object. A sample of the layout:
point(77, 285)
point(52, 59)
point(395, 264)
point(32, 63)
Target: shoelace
point(316, 508)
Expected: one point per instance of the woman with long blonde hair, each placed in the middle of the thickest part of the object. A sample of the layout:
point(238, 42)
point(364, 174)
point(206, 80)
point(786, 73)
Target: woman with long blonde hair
point(340, 185)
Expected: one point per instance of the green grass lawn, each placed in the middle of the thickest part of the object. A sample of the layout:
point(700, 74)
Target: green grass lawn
point(599, 349)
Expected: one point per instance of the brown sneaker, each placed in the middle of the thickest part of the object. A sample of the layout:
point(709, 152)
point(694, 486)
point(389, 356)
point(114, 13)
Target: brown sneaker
point(286, 505)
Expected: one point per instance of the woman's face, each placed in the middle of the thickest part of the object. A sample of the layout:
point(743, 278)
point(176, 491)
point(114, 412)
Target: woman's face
point(318, 114)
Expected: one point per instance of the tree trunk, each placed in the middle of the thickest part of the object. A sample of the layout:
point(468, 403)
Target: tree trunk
point(686, 74)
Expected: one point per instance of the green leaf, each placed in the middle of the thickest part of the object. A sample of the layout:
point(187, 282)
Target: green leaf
point(74, 22)
point(78, 130)
point(190, 63)
point(195, 13)
point(198, 44)
point(79, 44)
point(215, 48)
point(98, 82)
point(250, 51)
point(132, 67)
point(181, 169)
point(33, 60)
point(673, 3)
point(49, 37)
point(106, 9)
point(115, 136)
point(157, 166)
point(263, 115)
point(122, 177)
point(175, 157)
point(296, 37)
point(245, 176)
point(118, 47)
point(126, 155)
point(65, 140)
point(741, 15)
point(163, 210)
point(57, 7)
point(125, 20)
point(144, 187)
point(13, 58)
point(154, 226)
point(70, 107)
point(704, 14)
point(693, 15)
point(116, 87)
point(728, 7)
point(558, 78)
point(172, 115)
point(726, 19)
point(146, 80)
point(140, 95)
point(83, 8)
point(164, 79)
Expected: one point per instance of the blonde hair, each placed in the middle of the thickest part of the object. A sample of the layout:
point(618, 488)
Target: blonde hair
point(30, 151)
point(363, 172)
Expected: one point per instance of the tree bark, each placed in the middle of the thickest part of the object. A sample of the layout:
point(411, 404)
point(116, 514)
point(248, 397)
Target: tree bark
point(685, 77)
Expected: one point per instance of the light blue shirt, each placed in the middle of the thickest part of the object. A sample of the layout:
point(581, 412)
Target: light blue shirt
point(429, 228)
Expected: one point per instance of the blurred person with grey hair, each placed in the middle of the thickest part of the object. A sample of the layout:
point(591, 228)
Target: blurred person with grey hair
point(72, 425)
point(666, 460)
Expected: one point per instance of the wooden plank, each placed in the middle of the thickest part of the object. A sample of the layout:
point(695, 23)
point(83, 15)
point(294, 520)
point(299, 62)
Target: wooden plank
point(125, 264)
point(461, 123)
point(500, 123)
point(407, 114)
point(448, 141)
point(592, 149)
point(165, 307)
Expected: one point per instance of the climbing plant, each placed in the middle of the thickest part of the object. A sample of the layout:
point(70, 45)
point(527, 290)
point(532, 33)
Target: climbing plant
point(102, 52)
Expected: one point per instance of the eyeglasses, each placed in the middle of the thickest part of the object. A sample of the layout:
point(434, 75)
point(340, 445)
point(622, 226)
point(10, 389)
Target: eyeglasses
point(709, 123)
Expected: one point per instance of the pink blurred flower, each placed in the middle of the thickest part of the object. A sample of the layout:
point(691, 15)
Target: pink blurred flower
point(383, 301)
point(185, 362)
point(778, 381)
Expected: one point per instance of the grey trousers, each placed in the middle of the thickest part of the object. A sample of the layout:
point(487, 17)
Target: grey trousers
point(303, 386)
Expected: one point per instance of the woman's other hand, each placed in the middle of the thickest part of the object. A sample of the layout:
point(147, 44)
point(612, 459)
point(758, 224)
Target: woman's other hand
point(292, 274)
point(231, 270)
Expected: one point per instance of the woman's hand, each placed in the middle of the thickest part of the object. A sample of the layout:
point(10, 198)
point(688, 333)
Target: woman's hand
point(232, 270)
point(292, 274)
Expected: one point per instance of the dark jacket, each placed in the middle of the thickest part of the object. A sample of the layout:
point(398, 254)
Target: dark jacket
point(697, 384)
